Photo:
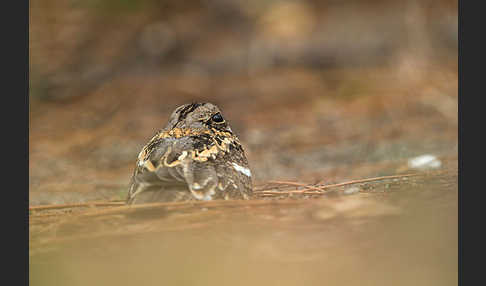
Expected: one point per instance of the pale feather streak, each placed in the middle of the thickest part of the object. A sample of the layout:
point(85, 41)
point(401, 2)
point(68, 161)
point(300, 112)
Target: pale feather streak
point(241, 169)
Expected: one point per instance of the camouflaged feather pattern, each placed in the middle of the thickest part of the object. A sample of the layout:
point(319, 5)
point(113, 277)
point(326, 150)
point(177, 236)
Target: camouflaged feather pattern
point(196, 157)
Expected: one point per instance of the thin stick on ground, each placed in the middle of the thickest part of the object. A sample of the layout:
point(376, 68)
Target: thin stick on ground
point(63, 206)
point(368, 180)
point(308, 188)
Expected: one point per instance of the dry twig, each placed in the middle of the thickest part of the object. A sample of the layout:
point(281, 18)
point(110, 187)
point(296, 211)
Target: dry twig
point(308, 189)
point(89, 204)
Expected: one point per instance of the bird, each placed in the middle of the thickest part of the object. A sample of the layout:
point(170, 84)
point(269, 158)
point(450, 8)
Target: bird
point(197, 156)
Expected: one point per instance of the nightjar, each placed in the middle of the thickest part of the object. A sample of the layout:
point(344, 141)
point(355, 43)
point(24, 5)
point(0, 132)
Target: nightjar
point(195, 157)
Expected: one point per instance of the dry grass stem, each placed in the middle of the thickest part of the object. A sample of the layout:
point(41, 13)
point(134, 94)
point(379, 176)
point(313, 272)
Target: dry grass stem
point(314, 190)
point(89, 204)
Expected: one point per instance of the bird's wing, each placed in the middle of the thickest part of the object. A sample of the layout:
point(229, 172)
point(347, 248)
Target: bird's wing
point(151, 170)
point(202, 166)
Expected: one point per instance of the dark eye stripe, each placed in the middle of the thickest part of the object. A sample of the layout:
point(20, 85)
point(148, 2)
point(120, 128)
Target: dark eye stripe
point(188, 109)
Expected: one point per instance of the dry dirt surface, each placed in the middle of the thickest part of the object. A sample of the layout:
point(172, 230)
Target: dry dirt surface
point(391, 231)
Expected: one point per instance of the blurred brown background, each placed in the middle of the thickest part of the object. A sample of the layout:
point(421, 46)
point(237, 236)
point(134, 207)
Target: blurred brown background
point(316, 90)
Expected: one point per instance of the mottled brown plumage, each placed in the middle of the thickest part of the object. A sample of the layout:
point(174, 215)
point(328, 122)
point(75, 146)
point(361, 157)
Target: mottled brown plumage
point(195, 157)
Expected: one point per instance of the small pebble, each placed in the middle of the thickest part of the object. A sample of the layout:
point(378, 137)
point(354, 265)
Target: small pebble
point(352, 190)
point(424, 162)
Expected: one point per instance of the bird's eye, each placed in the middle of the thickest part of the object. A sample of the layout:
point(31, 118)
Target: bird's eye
point(217, 118)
